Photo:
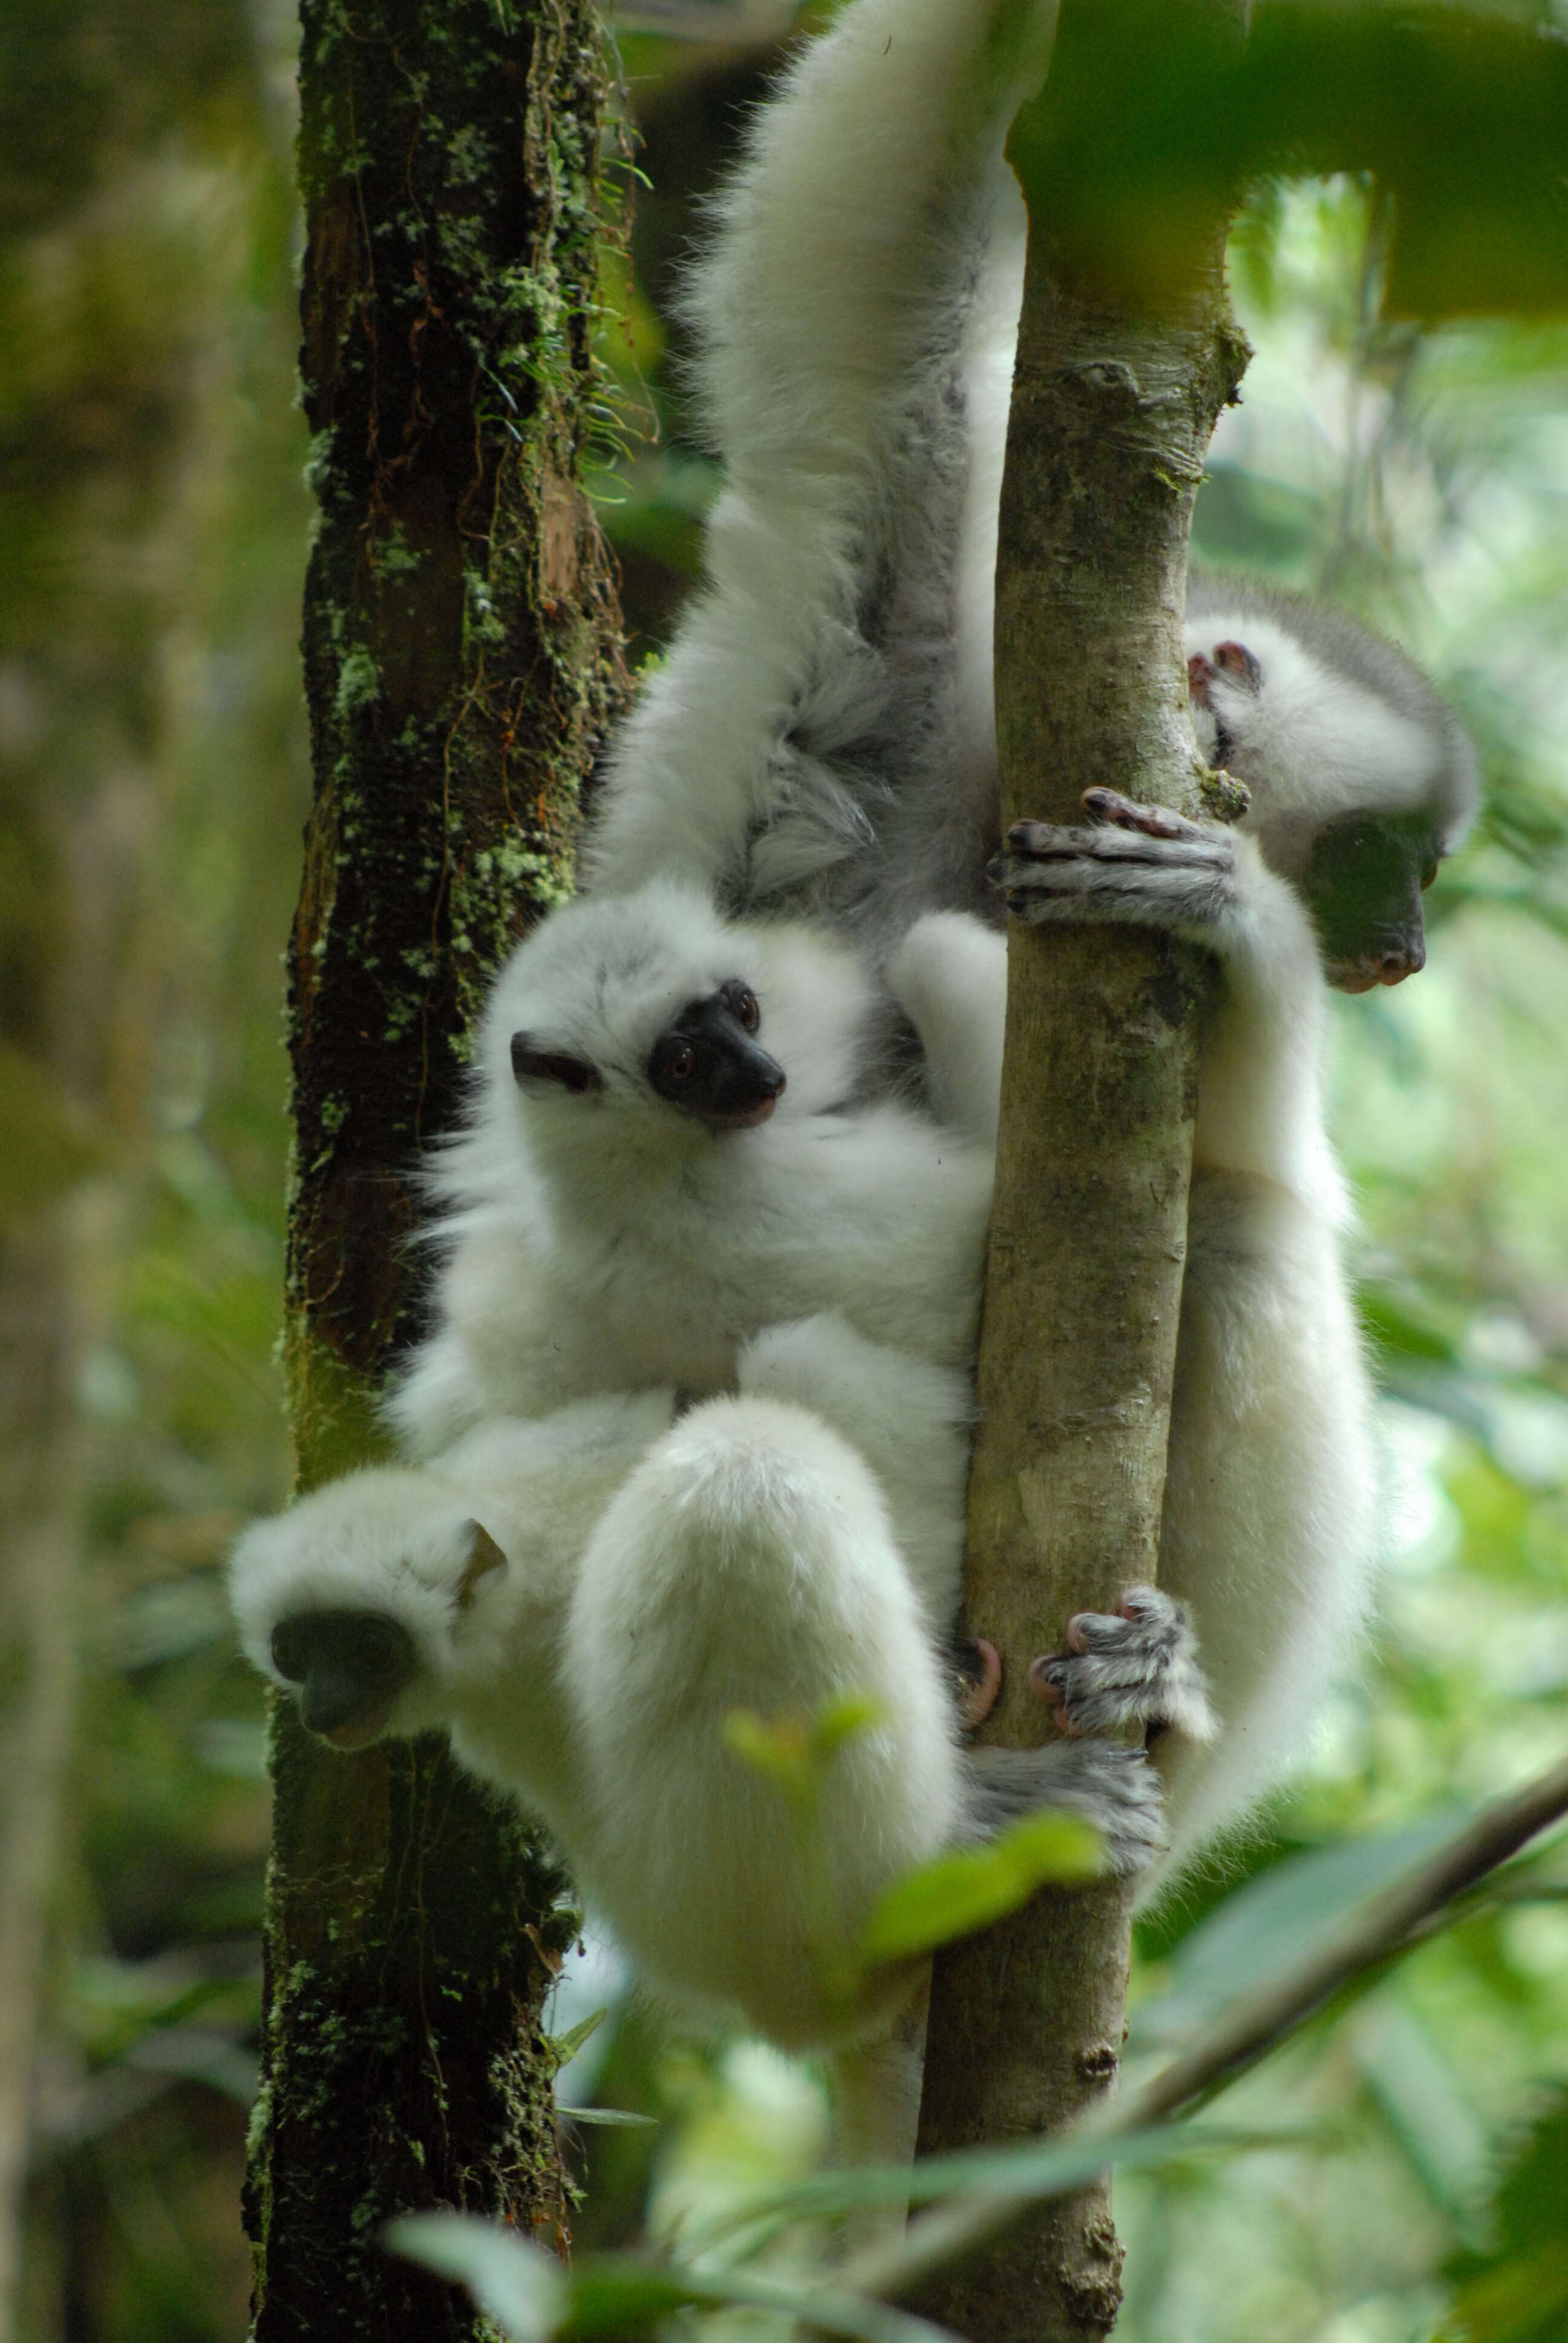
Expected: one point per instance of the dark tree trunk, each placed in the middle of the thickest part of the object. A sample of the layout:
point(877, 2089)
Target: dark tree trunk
point(1126, 355)
point(462, 661)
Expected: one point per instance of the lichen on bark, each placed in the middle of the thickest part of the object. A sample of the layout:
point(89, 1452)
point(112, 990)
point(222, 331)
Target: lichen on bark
point(462, 662)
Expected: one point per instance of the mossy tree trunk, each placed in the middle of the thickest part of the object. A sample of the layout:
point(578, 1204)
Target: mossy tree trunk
point(461, 652)
point(1126, 355)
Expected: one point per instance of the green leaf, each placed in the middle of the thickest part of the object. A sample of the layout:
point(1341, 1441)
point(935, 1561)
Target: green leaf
point(514, 2282)
point(1518, 2292)
point(774, 1746)
point(529, 2294)
point(566, 2046)
point(1521, 2301)
point(1038, 2169)
point(609, 2117)
point(842, 1720)
point(970, 1888)
point(1275, 1919)
point(1424, 2104)
point(612, 2294)
point(1402, 1331)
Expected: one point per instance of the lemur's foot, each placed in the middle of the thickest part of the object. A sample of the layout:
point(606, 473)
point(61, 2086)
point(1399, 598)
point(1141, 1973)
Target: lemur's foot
point(1138, 1667)
point(977, 1669)
point(1233, 662)
point(1111, 1786)
point(1140, 864)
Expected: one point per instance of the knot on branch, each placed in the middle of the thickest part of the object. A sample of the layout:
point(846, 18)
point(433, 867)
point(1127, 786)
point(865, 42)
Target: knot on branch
point(1113, 375)
point(1098, 2062)
point(1092, 2292)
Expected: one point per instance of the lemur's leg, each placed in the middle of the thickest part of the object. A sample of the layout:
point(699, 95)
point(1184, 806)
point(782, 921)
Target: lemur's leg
point(909, 1422)
point(948, 976)
point(1267, 1538)
point(749, 1568)
point(749, 1565)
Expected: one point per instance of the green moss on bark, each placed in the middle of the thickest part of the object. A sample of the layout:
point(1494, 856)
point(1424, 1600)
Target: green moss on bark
point(462, 662)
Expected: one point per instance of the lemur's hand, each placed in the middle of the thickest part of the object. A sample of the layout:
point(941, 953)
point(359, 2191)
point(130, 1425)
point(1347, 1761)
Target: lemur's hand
point(1139, 1666)
point(1137, 866)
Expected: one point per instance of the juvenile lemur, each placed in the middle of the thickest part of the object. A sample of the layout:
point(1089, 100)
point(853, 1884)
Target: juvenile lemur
point(820, 744)
point(645, 1188)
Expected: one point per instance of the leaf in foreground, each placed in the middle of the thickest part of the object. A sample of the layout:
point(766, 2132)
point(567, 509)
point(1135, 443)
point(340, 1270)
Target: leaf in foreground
point(514, 2282)
point(1038, 2169)
point(530, 2294)
point(975, 1885)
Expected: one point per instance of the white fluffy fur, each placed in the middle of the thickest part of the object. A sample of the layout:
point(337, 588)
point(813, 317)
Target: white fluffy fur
point(657, 1578)
point(822, 734)
point(1268, 1530)
point(660, 1575)
point(864, 288)
point(820, 740)
point(1340, 721)
point(604, 1240)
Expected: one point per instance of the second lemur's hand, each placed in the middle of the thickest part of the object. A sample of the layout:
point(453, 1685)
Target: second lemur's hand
point(1138, 865)
point(1136, 1667)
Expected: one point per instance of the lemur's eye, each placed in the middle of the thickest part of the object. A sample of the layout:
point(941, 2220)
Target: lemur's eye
point(746, 1009)
point(531, 1065)
point(678, 1062)
point(290, 1651)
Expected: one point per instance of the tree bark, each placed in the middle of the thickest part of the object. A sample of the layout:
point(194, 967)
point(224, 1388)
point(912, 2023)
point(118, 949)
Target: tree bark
point(462, 661)
point(1126, 354)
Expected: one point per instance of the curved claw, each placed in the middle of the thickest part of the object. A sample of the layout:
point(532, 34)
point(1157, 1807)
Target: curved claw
point(1154, 821)
point(979, 1680)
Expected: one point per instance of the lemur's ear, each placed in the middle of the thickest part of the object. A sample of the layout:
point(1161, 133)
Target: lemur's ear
point(484, 1556)
point(531, 1065)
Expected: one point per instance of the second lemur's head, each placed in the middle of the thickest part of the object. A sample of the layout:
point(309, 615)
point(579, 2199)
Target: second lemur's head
point(643, 1009)
point(1361, 778)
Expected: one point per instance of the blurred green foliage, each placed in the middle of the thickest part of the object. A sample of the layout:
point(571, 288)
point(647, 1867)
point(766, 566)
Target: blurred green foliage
point(1422, 477)
point(152, 779)
point(152, 533)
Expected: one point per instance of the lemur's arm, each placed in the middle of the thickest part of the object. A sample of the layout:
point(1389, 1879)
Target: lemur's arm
point(826, 703)
point(1359, 779)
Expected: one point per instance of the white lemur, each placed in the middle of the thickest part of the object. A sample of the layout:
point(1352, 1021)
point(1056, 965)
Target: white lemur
point(820, 744)
point(670, 1149)
point(820, 741)
point(584, 1599)
point(644, 1188)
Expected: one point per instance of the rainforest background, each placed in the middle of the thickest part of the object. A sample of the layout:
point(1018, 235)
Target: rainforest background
point(153, 782)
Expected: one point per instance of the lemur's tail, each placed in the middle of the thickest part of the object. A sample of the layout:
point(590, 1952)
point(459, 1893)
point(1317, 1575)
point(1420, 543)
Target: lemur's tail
point(850, 315)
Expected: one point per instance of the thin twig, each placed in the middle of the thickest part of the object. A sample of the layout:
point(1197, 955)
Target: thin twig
point(1249, 2030)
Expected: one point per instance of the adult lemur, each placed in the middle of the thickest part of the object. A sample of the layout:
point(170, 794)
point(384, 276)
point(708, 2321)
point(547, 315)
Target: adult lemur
point(821, 740)
point(819, 743)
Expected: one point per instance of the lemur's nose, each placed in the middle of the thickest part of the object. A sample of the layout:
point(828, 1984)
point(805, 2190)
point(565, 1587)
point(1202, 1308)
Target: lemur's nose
point(1393, 967)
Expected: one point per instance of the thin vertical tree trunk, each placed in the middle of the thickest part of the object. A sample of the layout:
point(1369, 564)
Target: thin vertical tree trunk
point(1126, 354)
point(40, 1477)
point(462, 661)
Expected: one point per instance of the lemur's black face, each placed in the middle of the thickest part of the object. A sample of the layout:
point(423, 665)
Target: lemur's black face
point(709, 1064)
point(1364, 884)
point(349, 1667)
